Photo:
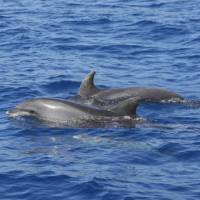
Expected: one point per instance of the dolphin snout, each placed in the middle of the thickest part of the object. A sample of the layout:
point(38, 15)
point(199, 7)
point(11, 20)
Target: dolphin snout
point(16, 112)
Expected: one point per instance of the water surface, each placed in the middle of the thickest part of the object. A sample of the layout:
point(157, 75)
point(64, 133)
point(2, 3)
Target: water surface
point(47, 47)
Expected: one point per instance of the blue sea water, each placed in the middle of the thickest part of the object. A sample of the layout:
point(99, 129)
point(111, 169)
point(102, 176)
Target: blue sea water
point(47, 47)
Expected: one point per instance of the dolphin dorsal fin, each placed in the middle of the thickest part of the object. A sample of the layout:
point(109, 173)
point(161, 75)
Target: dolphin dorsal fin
point(87, 86)
point(127, 107)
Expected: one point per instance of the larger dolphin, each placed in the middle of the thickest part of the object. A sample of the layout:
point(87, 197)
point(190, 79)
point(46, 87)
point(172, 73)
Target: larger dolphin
point(71, 114)
point(90, 94)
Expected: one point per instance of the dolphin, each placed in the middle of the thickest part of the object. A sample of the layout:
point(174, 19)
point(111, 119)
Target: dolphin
point(71, 114)
point(89, 93)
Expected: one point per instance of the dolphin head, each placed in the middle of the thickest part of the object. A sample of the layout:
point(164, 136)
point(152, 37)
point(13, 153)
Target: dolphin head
point(87, 85)
point(26, 108)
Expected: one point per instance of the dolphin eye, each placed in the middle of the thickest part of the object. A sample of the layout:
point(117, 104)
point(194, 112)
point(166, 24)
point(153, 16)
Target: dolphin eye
point(32, 112)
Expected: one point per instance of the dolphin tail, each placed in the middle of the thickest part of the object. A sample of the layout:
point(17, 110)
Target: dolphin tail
point(127, 107)
point(87, 86)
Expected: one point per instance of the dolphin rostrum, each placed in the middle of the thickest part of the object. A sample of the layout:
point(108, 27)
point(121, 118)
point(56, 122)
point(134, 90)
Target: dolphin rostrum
point(90, 94)
point(71, 114)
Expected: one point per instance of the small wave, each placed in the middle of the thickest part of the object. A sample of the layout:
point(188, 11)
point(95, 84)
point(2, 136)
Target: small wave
point(171, 148)
point(167, 32)
point(191, 103)
point(121, 49)
point(173, 100)
point(157, 5)
point(193, 41)
point(184, 102)
point(16, 31)
point(170, 126)
point(18, 93)
point(146, 23)
point(88, 188)
point(60, 86)
point(83, 22)
point(188, 156)
point(62, 40)
point(67, 47)
point(19, 184)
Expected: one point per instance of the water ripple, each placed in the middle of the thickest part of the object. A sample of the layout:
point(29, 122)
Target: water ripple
point(46, 49)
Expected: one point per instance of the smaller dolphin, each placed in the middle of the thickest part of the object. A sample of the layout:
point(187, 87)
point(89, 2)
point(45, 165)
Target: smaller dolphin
point(90, 94)
point(71, 114)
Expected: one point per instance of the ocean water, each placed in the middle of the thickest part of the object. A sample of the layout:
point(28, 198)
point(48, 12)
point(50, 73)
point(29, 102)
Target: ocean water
point(46, 49)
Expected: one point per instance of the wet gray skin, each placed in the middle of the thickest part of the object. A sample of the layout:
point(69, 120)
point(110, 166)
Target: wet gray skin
point(90, 94)
point(75, 115)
